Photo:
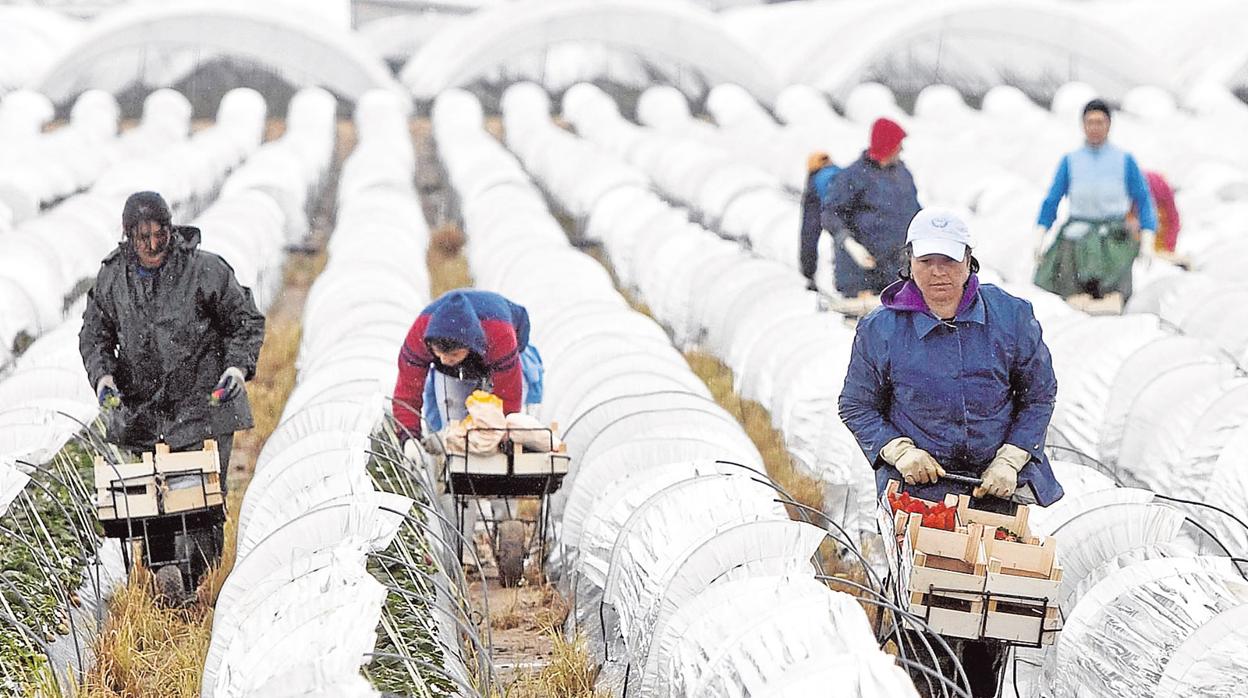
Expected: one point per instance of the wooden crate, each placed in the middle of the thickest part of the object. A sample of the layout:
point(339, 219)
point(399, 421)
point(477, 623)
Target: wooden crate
point(1032, 555)
point(1030, 585)
point(475, 464)
point(160, 483)
point(992, 618)
point(539, 462)
point(969, 585)
point(521, 463)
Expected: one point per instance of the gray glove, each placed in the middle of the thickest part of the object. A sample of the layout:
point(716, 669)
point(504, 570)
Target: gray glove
point(107, 393)
point(230, 386)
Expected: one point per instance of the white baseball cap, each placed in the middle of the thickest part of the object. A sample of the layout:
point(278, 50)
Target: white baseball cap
point(938, 231)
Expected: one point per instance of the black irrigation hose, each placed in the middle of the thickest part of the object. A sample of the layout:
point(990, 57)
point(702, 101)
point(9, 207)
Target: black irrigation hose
point(847, 543)
point(1206, 505)
point(926, 631)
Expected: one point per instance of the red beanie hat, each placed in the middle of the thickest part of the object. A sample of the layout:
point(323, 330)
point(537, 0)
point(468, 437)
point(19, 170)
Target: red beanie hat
point(886, 136)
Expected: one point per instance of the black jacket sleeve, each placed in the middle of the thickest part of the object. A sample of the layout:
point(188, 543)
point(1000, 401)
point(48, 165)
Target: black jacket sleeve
point(97, 340)
point(234, 312)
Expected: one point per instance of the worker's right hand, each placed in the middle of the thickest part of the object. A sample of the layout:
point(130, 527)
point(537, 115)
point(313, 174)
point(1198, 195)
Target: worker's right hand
point(916, 466)
point(858, 253)
point(107, 393)
point(1042, 234)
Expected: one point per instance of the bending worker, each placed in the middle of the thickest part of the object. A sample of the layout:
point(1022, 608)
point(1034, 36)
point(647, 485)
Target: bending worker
point(867, 209)
point(472, 340)
point(1094, 249)
point(951, 376)
point(169, 336)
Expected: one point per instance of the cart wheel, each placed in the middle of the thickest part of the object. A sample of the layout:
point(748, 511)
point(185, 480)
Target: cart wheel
point(169, 587)
point(510, 552)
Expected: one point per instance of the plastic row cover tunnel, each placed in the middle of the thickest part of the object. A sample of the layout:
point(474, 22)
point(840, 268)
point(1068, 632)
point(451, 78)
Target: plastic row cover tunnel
point(665, 507)
point(298, 614)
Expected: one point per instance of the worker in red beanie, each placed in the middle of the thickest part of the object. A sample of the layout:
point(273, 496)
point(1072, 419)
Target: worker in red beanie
point(867, 210)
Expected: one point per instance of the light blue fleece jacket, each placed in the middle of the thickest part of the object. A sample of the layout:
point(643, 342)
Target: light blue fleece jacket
point(1102, 183)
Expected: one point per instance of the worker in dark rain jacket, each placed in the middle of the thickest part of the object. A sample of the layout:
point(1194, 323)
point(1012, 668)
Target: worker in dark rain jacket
point(950, 376)
point(465, 340)
point(168, 338)
point(819, 174)
point(868, 207)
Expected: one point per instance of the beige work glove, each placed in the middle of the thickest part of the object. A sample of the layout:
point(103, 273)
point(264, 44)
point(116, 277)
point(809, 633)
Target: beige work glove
point(1001, 476)
point(859, 254)
point(917, 466)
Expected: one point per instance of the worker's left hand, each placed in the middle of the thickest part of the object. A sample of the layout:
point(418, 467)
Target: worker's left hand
point(1001, 476)
point(230, 386)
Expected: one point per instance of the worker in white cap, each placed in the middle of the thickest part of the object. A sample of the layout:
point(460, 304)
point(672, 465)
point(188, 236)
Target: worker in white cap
point(949, 376)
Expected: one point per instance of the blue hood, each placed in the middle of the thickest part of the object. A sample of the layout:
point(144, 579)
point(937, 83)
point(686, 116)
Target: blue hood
point(453, 317)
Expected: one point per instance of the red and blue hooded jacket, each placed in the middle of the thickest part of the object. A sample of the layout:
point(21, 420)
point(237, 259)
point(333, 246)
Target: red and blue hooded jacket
point(493, 328)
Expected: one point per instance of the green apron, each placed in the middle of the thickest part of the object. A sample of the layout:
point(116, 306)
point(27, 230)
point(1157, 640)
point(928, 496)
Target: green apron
point(1092, 257)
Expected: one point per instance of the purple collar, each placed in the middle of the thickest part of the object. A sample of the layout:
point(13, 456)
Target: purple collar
point(905, 295)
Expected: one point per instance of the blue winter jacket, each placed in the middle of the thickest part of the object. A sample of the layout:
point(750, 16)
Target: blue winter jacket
point(874, 205)
point(958, 389)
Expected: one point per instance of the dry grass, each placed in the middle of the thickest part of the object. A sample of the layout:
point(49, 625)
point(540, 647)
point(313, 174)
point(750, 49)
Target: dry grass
point(146, 650)
point(570, 674)
point(757, 424)
point(537, 608)
point(448, 268)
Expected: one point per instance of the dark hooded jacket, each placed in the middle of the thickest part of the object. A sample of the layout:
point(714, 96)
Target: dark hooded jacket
point(495, 330)
point(166, 336)
point(874, 205)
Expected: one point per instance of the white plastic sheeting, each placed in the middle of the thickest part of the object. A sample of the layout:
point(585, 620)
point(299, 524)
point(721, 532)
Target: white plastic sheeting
point(299, 608)
point(1123, 633)
point(115, 51)
point(663, 36)
point(31, 37)
point(37, 169)
point(973, 44)
point(653, 519)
